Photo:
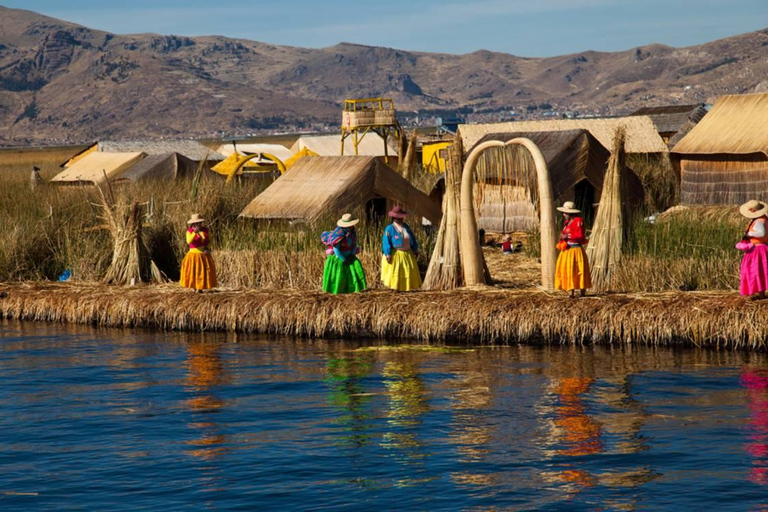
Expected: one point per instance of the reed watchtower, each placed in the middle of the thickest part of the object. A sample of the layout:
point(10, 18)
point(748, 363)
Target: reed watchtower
point(369, 115)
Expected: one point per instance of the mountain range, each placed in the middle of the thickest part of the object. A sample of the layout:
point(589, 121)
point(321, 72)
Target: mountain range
point(65, 83)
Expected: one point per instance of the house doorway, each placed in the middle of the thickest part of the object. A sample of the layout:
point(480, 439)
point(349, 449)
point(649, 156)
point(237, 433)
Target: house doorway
point(584, 199)
point(376, 210)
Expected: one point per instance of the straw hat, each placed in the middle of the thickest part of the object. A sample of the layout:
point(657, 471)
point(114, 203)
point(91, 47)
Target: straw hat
point(195, 219)
point(568, 207)
point(397, 213)
point(347, 221)
point(753, 209)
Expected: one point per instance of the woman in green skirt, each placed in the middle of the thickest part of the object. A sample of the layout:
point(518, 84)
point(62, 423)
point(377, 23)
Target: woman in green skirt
point(343, 272)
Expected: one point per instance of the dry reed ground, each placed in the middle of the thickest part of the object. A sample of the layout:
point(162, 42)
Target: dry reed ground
point(486, 315)
point(515, 310)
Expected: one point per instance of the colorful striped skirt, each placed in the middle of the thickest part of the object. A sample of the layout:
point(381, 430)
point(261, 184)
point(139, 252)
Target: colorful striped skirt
point(572, 270)
point(341, 277)
point(198, 271)
point(402, 274)
point(754, 270)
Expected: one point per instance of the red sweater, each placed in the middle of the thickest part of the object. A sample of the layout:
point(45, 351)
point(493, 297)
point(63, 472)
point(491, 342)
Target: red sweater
point(574, 231)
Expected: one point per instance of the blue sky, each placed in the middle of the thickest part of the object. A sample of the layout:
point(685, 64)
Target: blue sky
point(528, 28)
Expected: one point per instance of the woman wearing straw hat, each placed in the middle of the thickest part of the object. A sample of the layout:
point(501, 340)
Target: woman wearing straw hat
point(754, 264)
point(343, 272)
point(572, 270)
point(399, 270)
point(197, 269)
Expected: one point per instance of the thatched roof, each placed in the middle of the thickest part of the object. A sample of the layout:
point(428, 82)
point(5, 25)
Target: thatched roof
point(277, 150)
point(166, 167)
point(188, 148)
point(320, 186)
point(735, 125)
point(91, 167)
point(330, 145)
point(642, 136)
point(191, 149)
point(671, 118)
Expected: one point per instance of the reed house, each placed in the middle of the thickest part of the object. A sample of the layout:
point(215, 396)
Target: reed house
point(319, 188)
point(673, 121)
point(724, 158)
point(189, 149)
point(94, 168)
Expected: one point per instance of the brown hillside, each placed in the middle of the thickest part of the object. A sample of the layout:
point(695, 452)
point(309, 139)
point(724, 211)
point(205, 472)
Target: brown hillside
point(61, 82)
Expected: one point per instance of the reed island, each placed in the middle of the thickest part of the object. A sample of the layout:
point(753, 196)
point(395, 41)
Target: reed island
point(485, 233)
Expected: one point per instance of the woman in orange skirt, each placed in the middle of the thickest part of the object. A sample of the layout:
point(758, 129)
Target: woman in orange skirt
point(572, 271)
point(197, 269)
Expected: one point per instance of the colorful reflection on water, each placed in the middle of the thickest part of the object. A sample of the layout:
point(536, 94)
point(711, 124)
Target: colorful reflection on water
point(125, 420)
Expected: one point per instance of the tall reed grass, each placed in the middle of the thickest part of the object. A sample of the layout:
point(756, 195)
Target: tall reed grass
point(51, 229)
point(54, 228)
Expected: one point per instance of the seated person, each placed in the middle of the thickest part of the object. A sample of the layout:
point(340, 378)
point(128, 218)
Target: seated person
point(506, 245)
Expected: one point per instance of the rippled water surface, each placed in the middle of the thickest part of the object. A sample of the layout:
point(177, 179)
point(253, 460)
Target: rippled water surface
point(137, 420)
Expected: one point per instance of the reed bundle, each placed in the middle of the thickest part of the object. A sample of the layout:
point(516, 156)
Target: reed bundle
point(476, 317)
point(723, 214)
point(408, 163)
point(604, 249)
point(131, 262)
point(444, 271)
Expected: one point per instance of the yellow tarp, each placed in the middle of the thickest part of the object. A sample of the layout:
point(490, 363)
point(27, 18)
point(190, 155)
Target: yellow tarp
point(301, 154)
point(226, 166)
point(433, 156)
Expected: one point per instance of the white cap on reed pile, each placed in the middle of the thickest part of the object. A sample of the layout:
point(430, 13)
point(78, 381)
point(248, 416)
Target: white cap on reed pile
point(347, 221)
point(753, 209)
point(568, 207)
point(195, 219)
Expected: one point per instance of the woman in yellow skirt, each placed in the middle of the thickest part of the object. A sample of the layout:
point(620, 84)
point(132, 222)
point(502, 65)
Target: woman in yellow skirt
point(197, 269)
point(399, 270)
point(572, 271)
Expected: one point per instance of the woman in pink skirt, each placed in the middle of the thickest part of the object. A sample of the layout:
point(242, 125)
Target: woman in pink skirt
point(754, 266)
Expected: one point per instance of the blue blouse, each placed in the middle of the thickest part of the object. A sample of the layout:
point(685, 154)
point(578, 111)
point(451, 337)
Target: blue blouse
point(393, 240)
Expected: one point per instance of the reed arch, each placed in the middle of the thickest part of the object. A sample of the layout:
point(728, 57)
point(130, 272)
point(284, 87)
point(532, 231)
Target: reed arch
point(469, 244)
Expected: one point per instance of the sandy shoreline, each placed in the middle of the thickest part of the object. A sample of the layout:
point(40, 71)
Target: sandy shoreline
point(477, 316)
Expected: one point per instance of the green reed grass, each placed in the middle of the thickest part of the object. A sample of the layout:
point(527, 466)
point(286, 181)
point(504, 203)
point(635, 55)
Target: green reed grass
point(681, 253)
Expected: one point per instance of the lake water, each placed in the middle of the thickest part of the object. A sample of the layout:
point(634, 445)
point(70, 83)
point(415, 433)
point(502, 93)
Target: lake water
point(138, 420)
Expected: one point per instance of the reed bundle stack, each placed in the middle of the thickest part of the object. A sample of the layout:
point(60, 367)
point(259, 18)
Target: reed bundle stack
point(409, 162)
point(444, 271)
point(35, 180)
point(402, 148)
point(131, 261)
point(604, 250)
